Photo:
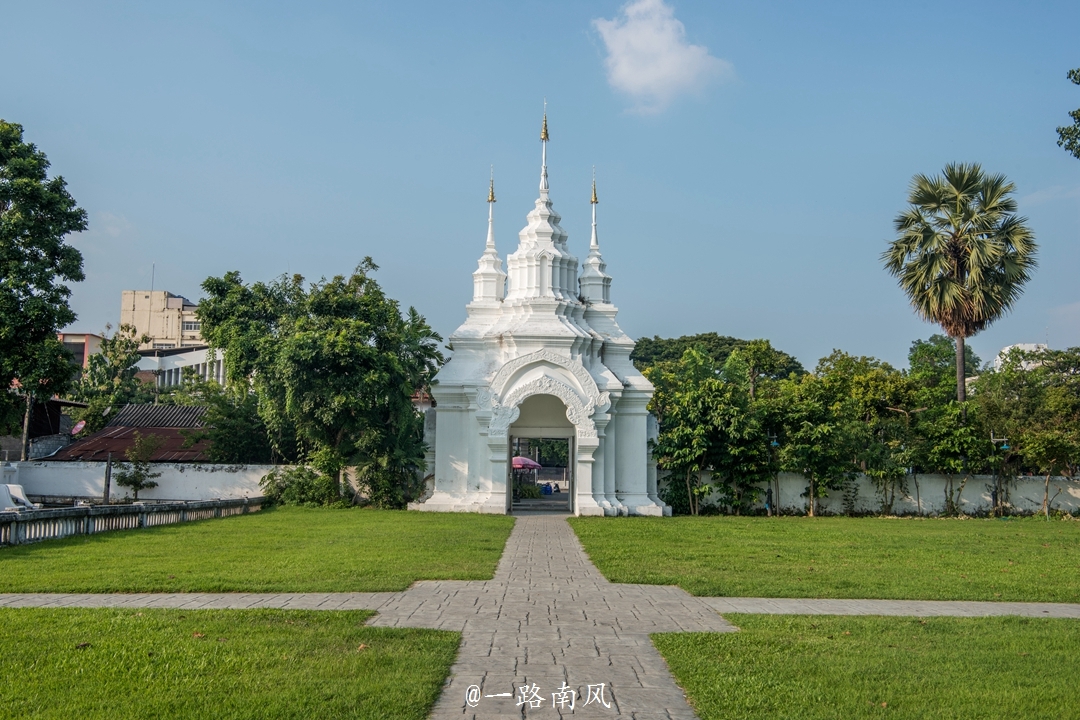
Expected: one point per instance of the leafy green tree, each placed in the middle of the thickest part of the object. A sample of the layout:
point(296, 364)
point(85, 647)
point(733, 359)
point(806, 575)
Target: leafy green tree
point(957, 447)
point(136, 473)
point(1069, 135)
point(1033, 401)
point(649, 351)
point(236, 433)
point(962, 255)
point(822, 431)
point(45, 370)
point(109, 382)
point(334, 365)
point(36, 215)
point(932, 369)
point(743, 414)
point(682, 448)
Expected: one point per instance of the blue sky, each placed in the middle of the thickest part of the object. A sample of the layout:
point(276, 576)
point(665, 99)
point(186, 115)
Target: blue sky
point(749, 168)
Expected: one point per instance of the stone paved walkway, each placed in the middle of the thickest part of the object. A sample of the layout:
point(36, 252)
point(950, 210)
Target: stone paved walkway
point(548, 617)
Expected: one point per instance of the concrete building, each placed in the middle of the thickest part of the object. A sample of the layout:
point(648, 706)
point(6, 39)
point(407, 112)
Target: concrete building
point(1033, 348)
point(168, 319)
point(165, 367)
point(540, 356)
point(81, 346)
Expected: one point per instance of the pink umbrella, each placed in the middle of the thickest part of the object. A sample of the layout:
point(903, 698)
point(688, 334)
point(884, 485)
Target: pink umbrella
point(524, 463)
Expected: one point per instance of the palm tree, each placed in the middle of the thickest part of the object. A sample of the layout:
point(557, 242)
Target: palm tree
point(962, 255)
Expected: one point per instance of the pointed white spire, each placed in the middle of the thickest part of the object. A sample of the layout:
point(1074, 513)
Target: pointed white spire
point(595, 283)
point(543, 155)
point(489, 280)
point(594, 244)
point(491, 206)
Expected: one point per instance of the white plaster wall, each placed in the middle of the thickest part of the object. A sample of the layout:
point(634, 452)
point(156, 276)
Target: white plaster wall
point(1025, 494)
point(179, 481)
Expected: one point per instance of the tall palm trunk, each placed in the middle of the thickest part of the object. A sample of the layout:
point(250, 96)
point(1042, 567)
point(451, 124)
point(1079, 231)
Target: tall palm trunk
point(961, 375)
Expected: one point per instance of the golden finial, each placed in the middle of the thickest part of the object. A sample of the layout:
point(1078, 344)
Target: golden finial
point(491, 188)
point(543, 130)
point(594, 200)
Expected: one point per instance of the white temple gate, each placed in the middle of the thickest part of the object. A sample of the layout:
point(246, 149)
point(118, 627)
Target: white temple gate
point(541, 331)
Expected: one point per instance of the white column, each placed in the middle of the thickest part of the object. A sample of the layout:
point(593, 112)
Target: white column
point(631, 483)
point(587, 477)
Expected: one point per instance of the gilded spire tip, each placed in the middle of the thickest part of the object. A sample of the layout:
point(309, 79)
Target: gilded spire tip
point(543, 129)
point(594, 200)
point(491, 191)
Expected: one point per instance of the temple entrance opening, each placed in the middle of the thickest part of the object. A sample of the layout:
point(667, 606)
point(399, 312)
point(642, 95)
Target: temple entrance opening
point(541, 457)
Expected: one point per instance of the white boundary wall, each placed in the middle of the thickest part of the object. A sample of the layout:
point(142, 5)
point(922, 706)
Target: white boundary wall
point(1024, 494)
point(178, 481)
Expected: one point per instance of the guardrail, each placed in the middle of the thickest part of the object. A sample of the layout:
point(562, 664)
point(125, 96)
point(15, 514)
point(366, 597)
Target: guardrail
point(27, 526)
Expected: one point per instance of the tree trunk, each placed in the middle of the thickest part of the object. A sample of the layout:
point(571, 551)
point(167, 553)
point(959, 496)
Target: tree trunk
point(813, 495)
point(24, 454)
point(689, 494)
point(918, 496)
point(961, 386)
point(1046, 497)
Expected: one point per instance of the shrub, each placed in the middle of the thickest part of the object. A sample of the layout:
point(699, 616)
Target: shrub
point(301, 486)
point(529, 492)
point(136, 474)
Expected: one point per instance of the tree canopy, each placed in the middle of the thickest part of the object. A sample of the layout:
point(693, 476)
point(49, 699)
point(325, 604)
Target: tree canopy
point(962, 255)
point(334, 365)
point(36, 215)
point(649, 351)
point(1069, 135)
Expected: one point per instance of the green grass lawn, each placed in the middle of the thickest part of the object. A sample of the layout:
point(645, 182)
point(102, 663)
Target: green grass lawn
point(279, 550)
point(870, 667)
point(1018, 559)
point(97, 663)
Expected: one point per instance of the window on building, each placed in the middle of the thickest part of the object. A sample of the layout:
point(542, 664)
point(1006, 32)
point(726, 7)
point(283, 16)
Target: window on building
point(192, 326)
point(164, 346)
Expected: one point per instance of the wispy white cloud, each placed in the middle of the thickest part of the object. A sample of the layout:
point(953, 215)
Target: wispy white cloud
point(109, 224)
point(1050, 194)
point(649, 58)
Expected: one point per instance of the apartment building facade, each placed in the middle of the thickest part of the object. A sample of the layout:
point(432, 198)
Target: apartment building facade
point(169, 320)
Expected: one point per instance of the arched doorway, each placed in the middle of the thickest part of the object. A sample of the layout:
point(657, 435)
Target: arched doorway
point(541, 439)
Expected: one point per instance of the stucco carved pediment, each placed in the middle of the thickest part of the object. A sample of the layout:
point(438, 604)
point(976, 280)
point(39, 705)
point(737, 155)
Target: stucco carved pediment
point(506, 411)
point(499, 384)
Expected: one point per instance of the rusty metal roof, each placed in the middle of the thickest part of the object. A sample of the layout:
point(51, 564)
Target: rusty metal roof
point(117, 440)
point(159, 416)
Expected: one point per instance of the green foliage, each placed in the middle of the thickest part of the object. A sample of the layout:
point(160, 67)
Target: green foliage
point(43, 370)
point(283, 549)
point(529, 491)
point(233, 427)
point(552, 452)
point(109, 664)
point(136, 474)
point(824, 667)
point(821, 432)
point(301, 486)
point(108, 383)
point(649, 351)
point(682, 402)
point(36, 215)
point(334, 367)
point(1033, 401)
point(710, 422)
point(1069, 135)
point(962, 254)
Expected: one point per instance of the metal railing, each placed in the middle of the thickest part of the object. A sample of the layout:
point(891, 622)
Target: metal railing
point(27, 526)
